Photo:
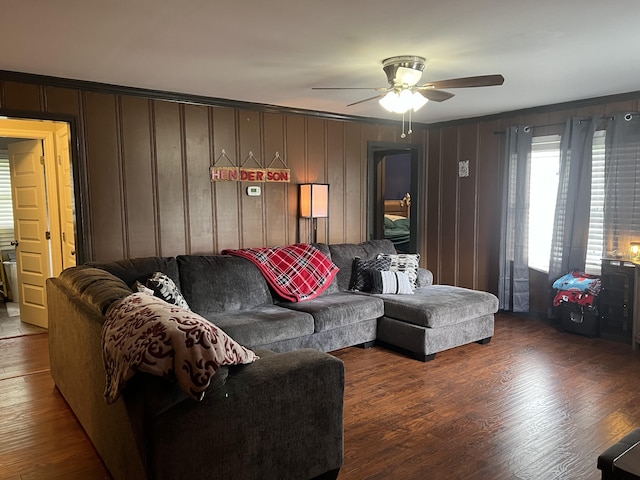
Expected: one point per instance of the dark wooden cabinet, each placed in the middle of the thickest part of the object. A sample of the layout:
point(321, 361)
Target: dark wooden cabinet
point(616, 299)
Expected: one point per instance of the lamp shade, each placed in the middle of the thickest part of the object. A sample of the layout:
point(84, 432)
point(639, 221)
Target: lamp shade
point(314, 200)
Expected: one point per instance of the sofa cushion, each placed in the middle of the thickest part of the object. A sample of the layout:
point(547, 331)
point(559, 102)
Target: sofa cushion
point(439, 305)
point(263, 325)
point(140, 269)
point(221, 283)
point(339, 309)
point(342, 254)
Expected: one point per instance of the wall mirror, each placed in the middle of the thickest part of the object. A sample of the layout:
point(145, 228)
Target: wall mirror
point(394, 196)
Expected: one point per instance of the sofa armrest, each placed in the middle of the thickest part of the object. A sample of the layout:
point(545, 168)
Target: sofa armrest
point(279, 417)
point(425, 277)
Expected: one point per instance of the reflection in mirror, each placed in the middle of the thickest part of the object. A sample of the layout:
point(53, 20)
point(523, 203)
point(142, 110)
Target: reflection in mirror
point(397, 200)
point(394, 194)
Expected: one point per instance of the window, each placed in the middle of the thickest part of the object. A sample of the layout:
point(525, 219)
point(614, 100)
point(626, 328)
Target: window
point(6, 206)
point(545, 165)
point(595, 244)
point(622, 184)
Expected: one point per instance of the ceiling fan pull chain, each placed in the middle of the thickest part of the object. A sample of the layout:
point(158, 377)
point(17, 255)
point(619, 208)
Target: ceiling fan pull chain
point(403, 135)
point(410, 131)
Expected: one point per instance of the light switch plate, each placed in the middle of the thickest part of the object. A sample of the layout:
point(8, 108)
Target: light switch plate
point(463, 168)
point(254, 191)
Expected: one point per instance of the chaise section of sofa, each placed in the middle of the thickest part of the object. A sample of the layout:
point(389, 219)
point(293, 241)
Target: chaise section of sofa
point(432, 319)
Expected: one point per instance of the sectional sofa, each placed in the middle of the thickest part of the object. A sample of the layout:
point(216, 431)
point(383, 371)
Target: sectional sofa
point(279, 417)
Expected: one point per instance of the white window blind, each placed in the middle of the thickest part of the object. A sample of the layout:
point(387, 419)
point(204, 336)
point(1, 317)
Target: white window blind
point(6, 206)
point(622, 183)
point(595, 245)
point(545, 164)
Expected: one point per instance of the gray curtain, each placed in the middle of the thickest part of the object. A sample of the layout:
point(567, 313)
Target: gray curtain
point(622, 183)
point(571, 221)
point(513, 287)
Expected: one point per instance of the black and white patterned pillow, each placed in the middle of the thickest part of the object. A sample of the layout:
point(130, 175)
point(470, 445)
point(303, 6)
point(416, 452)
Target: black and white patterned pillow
point(405, 262)
point(390, 282)
point(160, 285)
point(360, 278)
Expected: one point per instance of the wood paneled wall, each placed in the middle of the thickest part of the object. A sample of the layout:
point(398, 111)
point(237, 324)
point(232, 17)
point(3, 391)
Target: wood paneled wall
point(143, 166)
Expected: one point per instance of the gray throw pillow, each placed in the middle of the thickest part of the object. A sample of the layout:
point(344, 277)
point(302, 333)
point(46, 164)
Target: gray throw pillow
point(360, 278)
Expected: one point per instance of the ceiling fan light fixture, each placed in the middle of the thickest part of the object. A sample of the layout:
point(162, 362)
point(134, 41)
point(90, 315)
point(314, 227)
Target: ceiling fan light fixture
point(407, 76)
point(403, 69)
point(402, 101)
point(405, 101)
point(418, 101)
point(389, 101)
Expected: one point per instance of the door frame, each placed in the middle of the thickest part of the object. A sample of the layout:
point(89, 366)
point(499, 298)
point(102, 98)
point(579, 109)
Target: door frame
point(376, 151)
point(37, 125)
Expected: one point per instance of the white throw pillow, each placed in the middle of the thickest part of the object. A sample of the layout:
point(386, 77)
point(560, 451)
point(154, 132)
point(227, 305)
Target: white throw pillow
point(405, 262)
point(388, 282)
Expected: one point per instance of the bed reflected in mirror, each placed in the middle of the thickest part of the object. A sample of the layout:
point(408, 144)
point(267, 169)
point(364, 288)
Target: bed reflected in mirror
point(397, 222)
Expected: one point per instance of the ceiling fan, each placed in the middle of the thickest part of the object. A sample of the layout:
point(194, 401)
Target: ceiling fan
point(404, 94)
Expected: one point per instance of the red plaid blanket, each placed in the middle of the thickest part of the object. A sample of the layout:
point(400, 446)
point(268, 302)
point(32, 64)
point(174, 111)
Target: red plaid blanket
point(296, 272)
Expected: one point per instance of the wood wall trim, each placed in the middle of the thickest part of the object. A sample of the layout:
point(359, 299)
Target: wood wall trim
point(30, 78)
point(586, 103)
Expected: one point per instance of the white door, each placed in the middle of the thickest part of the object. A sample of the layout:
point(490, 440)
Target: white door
point(30, 229)
point(65, 198)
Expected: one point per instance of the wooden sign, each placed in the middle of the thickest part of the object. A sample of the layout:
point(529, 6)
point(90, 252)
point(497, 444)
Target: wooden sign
point(240, 174)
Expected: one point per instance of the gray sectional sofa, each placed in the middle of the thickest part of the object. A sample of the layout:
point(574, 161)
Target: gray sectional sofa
point(433, 319)
point(285, 416)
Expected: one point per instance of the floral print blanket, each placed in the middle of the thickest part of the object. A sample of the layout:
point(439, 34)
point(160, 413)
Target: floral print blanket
point(144, 333)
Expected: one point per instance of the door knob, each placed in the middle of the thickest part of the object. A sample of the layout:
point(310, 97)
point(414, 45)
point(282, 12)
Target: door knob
point(14, 243)
point(73, 252)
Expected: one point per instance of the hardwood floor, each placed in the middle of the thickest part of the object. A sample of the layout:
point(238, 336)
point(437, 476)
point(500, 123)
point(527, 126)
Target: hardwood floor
point(534, 404)
point(10, 324)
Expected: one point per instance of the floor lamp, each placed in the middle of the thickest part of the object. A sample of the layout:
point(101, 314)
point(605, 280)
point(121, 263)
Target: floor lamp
point(314, 204)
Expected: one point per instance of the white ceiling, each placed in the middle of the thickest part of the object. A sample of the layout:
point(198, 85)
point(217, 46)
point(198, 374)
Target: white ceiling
point(273, 52)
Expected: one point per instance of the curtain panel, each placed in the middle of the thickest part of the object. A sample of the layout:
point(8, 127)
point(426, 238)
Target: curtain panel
point(513, 287)
point(573, 202)
point(622, 183)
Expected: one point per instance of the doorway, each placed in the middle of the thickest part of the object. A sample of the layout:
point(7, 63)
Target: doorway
point(395, 194)
point(43, 210)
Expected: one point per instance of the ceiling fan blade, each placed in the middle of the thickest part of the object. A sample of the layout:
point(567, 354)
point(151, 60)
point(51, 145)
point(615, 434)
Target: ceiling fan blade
point(435, 95)
point(466, 82)
point(366, 100)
